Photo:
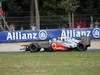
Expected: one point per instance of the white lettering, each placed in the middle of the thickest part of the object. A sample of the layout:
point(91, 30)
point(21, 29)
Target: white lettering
point(63, 34)
point(9, 36)
point(34, 35)
point(21, 36)
point(88, 33)
point(71, 33)
point(29, 35)
point(16, 35)
point(78, 34)
point(83, 33)
point(24, 36)
point(68, 33)
point(74, 34)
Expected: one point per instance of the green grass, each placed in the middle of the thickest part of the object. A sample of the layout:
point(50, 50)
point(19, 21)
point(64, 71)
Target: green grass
point(50, 63)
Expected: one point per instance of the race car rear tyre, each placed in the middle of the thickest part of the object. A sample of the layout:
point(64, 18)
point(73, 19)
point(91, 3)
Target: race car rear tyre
point(34, 48)
point(81, 47)
point(86, 41)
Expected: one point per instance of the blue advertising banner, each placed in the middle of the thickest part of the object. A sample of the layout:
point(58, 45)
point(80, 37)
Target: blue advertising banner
point(29, 35)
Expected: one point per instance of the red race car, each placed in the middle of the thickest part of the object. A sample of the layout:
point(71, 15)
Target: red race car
point(60, 43)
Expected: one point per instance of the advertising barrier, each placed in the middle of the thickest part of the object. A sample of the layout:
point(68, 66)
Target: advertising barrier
point(30, 35)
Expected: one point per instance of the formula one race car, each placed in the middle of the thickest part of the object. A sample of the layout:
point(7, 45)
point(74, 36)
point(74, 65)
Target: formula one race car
point(59, 43)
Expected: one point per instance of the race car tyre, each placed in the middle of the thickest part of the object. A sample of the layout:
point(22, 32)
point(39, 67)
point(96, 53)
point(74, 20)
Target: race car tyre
point(81, 47)
point(27, 48)
point(34, 48)
point(48, 49)
point(86, 41)
point(85, 48)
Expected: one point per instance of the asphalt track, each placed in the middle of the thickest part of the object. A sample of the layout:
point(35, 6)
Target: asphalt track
point(15, 47)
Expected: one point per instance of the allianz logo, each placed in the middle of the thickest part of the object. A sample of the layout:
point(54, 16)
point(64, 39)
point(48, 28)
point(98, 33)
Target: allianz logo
point(75, 33)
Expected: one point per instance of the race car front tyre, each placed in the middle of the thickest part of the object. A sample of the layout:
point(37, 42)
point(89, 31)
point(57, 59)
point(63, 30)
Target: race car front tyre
point(34, 48)
point(48, 49)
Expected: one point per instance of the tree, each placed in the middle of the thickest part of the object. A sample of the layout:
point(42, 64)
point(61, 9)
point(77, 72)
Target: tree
point(70, 7)
point(3, 17)
point(37, 15)
point(87, 6)
point(50, 7)
point(34, 13)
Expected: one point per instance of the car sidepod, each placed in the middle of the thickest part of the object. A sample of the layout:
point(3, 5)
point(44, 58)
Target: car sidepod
point(63, 45)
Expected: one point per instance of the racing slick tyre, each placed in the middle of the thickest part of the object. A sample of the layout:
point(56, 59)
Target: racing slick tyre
point(34, 48)
point(49, 49)
point(86, 41)
point(81, 47)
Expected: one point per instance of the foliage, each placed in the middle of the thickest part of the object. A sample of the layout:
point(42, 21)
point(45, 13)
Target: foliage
point(51, 8)
point(69, 5)
point(54, 7)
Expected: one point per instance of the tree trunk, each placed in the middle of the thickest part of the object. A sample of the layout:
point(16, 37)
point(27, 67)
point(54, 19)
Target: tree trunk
point(69, 19)
point(32, 12)
point(3, 18)
point(37, 15)
point(72, 20)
